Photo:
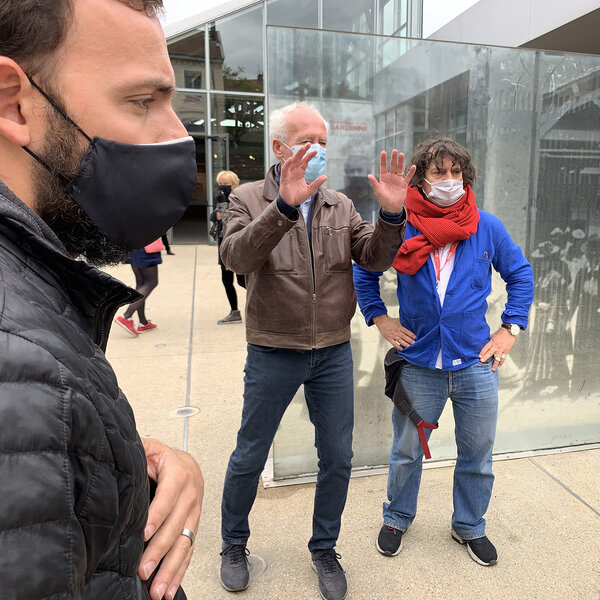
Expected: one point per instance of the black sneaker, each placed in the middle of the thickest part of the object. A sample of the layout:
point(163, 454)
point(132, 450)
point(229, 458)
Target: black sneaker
point(481, 550)
point(332, 581)
point(389, 541)
point(235, 576)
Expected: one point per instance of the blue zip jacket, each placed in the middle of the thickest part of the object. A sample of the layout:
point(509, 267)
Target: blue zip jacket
point(459, 327)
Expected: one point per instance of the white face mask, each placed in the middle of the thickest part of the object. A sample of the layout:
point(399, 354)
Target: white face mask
point(445, 193)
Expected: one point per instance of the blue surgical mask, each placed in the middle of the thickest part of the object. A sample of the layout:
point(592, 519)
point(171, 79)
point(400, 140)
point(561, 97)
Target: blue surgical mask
point(316, 165)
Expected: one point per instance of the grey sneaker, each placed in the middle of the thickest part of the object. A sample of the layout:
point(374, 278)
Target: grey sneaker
point(233, 317)
point(235, 576)
point(332, 581)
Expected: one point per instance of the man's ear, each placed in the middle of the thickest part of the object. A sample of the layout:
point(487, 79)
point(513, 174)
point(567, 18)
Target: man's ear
point(15, 102)
point(278, 148)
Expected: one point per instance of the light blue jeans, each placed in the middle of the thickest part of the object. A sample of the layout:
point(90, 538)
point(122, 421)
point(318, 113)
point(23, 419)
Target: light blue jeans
point(474, 395)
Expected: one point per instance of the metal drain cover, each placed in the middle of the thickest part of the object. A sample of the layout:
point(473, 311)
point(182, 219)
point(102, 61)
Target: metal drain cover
point(185, 411)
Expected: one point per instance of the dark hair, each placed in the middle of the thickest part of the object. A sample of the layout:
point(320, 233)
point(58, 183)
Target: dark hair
point(32, 30)
point(435, 150)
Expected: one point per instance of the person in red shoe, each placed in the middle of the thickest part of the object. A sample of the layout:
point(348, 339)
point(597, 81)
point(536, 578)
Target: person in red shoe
point(145, 268)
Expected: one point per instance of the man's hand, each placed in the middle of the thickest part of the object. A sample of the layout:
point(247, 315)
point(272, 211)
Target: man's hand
point(176, 505)
point(292, 187)
point(392, 186)
point(499, 346)
point(394, 332)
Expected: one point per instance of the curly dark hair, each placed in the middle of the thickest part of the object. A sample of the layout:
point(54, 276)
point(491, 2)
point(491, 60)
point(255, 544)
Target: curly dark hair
point(32, 30)
point(435, 150)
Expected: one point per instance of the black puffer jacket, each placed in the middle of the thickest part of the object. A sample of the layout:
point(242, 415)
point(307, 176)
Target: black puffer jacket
point(74, 493)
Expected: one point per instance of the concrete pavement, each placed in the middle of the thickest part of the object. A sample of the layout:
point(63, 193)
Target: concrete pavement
point(544, 516)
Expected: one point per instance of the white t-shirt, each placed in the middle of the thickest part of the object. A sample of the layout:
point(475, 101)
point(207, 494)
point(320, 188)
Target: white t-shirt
point(442, 284)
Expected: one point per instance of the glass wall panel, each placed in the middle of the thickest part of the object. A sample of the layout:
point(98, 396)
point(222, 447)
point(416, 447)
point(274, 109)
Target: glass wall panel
point(236, 51)
point(293, 13)
point(531, 122)
point(188, 60)
point(240, 120)
point(349, 15)
point(393, 15)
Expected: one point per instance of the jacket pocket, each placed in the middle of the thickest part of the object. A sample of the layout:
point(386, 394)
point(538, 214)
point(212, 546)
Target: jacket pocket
point(334, 243)
point(481, 272)
point(281, 259)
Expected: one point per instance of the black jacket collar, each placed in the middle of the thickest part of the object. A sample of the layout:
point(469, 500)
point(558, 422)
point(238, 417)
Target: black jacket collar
point(95, 294)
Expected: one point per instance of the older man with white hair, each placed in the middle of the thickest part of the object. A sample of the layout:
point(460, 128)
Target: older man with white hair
point(295, 242)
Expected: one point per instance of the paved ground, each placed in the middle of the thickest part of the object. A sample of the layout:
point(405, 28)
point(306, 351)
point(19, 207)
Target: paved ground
point(544, 517)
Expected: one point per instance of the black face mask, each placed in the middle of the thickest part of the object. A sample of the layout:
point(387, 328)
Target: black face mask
point(134, 193)
point(226, 189)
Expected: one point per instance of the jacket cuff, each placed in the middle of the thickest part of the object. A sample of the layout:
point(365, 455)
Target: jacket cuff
point(394, 218)
point(291, 212)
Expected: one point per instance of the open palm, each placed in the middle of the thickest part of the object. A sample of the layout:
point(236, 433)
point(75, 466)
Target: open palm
point(392, 186)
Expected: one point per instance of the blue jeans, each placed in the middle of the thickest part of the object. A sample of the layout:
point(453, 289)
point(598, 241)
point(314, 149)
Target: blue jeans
point(272, 377)
point(474, 395)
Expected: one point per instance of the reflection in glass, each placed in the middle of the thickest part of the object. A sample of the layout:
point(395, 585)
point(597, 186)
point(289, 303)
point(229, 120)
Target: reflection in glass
point(349, 15)
point(241, 120)
point(293, 13)
point(393, 15)
point(187, 57)
point(531, 121)
point(191, 109)
point(236, 51)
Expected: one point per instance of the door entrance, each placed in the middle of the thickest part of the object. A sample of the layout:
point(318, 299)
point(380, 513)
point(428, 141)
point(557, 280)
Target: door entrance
point(194, 225)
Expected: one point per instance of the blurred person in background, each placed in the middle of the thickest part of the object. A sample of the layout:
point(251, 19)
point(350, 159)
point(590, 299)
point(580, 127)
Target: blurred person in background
point(227, 181)
point(144, 265)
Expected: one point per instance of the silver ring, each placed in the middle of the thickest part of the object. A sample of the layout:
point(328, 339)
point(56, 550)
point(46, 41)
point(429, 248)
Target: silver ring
point(189, 534)
point(503, 356)
point(497, 357)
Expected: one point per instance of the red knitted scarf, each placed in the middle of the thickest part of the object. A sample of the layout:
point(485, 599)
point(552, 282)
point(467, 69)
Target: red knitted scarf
point(438, 227)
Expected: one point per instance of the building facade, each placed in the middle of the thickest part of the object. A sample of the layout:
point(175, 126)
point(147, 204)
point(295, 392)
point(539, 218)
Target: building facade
point(220, 63)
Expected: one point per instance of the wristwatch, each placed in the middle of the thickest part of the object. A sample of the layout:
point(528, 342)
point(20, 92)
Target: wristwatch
point(512, 328)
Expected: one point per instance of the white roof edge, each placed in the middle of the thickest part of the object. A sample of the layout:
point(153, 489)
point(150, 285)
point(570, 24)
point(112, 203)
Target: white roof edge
point(174, 29)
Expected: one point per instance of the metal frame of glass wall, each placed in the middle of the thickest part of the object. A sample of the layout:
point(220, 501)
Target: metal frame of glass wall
point(198, 90)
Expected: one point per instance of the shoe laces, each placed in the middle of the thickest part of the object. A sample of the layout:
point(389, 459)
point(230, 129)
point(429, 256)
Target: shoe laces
point(392, 529)
point(236, 553)
point(329, 560)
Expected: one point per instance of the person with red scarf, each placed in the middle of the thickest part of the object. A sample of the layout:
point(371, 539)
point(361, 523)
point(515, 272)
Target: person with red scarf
point(441, 335)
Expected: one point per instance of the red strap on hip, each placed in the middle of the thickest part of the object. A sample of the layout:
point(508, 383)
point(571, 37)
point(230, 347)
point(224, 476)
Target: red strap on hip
point(421, 426)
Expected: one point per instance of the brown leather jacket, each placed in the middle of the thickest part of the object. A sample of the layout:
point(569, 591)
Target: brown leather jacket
point(293, 301)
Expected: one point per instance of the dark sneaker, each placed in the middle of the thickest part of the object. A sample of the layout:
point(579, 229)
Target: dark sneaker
point(233, 317)
point(332, 581)
point(481, 550)
point(389, 541)
point(235, 576)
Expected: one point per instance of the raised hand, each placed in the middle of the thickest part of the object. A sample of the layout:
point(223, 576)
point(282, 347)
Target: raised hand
point(392, 185)
point(293, 189)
